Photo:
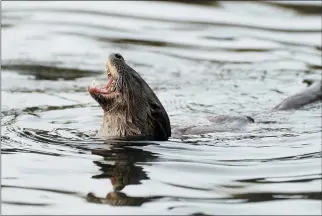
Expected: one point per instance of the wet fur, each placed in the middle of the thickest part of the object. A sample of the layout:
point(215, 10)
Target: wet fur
point(136, 111)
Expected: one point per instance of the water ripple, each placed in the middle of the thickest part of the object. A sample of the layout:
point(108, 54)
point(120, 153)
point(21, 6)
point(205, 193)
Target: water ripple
point(201, 59)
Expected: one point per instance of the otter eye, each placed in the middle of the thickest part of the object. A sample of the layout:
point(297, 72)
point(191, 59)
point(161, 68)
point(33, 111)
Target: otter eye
point(118, 56)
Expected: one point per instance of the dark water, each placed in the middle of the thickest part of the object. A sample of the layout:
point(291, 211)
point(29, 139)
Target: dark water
point(201, 60)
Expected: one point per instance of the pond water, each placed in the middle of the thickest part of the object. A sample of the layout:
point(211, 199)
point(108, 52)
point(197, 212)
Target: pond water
point(203, 59)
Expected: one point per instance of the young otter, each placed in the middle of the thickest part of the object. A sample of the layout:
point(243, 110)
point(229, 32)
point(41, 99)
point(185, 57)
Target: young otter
point(131, 109)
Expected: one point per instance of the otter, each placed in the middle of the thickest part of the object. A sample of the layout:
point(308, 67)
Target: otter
point(132, 111)
point(309, 95)
point(131, 108)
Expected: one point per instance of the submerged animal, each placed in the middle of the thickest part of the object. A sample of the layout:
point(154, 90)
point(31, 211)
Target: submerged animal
point(132, 110)
point(309, 95)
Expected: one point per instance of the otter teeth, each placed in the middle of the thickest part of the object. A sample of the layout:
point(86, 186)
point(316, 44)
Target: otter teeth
point(112, 87)
point(108, 72)
point(94, 83)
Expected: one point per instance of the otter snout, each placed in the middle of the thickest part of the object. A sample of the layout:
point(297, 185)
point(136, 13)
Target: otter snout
point(114, 63)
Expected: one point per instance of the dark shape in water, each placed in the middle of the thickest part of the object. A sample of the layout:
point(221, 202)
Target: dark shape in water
point(309, 95)
point(44, 72)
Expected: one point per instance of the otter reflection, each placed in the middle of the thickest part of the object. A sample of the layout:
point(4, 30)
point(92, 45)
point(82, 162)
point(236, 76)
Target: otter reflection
point(123, 172)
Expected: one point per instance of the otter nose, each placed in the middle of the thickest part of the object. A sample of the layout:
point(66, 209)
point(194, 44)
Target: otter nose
point(115, 56)
point(118, 56)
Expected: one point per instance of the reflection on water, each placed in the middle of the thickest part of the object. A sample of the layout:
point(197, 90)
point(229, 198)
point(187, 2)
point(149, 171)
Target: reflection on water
point(122, 172)
point(201, 59)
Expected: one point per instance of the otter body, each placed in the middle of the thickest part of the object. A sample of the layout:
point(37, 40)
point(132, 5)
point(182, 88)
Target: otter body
point(133, 111)
point(309, 95)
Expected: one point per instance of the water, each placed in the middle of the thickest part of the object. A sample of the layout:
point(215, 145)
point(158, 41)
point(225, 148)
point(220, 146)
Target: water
point(201, 60)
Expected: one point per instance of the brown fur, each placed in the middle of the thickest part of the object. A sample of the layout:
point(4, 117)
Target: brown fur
point(135, 110)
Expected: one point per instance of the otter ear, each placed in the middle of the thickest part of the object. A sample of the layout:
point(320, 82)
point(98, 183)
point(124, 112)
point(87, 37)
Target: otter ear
point(161, 121)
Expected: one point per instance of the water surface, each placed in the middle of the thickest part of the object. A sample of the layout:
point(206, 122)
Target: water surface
point(201, 60)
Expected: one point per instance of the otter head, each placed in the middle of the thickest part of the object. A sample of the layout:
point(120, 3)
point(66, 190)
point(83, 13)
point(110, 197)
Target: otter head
point(131, 108)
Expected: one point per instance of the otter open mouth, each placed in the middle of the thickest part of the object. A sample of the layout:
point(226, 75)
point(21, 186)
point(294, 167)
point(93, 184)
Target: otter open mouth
point(108, 89)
